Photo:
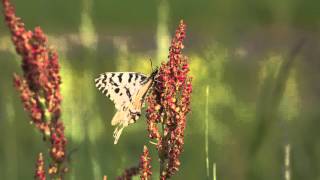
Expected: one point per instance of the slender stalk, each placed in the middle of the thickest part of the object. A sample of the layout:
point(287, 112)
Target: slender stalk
point(287, 171)
point(214, 169)
point(207, 131)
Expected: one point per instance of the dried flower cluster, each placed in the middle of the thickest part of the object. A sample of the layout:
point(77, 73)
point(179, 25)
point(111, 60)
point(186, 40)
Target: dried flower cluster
point(145, 164)
point(168, 105)
point(40, 168)
point(39, 86)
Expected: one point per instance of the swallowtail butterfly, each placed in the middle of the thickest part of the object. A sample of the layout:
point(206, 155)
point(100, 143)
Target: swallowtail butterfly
point(127, 90)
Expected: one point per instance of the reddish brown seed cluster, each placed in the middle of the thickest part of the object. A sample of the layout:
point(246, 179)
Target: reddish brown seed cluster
point(57, 149)
point(145, 165)
point(40, 168)
point(58, 142)
point(129, 173)
point(39, 86)
point(169, 104)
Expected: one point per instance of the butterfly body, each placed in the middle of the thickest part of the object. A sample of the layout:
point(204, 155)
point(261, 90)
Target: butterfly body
point(127, 90)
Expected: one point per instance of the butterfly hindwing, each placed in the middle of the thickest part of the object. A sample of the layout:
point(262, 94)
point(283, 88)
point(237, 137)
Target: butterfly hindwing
point(131, 114)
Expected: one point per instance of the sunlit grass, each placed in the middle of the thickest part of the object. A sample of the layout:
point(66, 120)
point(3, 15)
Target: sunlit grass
point(214, 170)
point(207, 131)
point(291, 103)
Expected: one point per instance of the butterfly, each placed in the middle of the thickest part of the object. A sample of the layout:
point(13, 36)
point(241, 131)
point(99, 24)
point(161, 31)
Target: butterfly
point(127, 90)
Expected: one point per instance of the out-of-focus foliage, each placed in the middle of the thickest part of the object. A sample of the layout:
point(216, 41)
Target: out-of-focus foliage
point(261, 97)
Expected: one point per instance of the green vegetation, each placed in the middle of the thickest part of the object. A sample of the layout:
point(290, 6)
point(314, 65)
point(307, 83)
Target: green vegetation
point(264, 93)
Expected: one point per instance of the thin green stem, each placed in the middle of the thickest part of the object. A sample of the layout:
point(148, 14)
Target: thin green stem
point(207, 131)
point(214, 169)
point(287, 173)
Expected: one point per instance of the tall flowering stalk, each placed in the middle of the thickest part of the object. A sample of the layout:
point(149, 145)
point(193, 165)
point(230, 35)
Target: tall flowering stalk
point(168, 105)
point(39, 87)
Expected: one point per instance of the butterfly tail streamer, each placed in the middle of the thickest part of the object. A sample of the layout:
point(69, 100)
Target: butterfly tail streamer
point(121, 120)
point(117, 132)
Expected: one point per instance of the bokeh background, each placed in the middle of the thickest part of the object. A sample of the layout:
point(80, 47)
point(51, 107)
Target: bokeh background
point(255, 68)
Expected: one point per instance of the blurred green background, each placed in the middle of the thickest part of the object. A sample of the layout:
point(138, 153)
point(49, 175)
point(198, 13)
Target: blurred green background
point(263, 90)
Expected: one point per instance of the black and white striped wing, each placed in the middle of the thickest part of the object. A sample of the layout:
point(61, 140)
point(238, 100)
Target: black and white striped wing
point(127, 91)
point(120, 87)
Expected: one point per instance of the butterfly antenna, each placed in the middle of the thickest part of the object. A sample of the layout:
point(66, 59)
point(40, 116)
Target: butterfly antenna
point(151, 65)
point(154, 70)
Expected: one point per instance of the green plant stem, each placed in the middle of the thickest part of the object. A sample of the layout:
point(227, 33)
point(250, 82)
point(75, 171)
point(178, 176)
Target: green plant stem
point(207, 131)
point(214, 171)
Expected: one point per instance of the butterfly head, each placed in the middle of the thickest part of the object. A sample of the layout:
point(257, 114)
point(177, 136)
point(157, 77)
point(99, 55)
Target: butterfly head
point(154, 73)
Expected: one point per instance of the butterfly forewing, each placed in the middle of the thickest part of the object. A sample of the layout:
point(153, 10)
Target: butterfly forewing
point(120, 87)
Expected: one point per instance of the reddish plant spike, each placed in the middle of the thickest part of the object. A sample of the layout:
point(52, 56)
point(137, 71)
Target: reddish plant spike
point(169, 104)
point(39, 86)
point(40, 173)
point(145, 165)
